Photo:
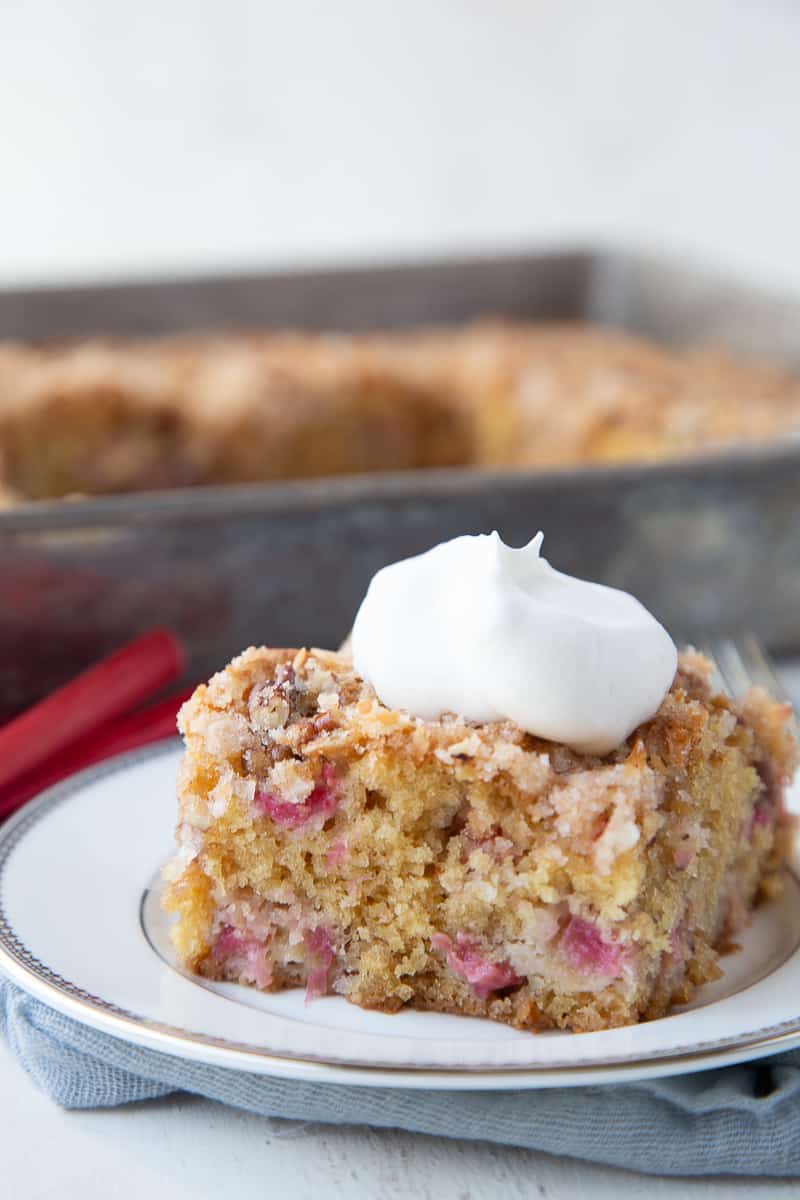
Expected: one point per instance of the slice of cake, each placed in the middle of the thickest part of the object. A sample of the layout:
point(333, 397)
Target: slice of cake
point(328, 841)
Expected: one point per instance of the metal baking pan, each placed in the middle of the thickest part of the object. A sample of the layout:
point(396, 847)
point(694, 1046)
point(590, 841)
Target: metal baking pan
point(710, 545)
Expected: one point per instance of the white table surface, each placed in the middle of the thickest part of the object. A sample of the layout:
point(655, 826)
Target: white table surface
point(188, 1149)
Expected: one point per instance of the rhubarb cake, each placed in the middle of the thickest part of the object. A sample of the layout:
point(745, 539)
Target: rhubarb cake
point(545, 394)
point(115, 415)
point(329, 841)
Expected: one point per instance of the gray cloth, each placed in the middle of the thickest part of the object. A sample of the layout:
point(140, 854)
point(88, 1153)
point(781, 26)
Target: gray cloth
point(739, 1120)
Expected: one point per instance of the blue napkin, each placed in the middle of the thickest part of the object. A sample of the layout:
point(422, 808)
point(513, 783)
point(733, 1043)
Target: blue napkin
point(742, 1120)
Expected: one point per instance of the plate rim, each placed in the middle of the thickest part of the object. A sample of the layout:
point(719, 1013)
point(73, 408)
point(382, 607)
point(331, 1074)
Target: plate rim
point(68, 998)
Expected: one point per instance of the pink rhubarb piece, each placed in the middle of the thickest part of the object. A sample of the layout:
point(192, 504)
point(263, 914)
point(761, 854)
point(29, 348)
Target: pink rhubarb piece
point(337, 854)
point(588, 951)
point(231, 944)
point(318, 806)
point(320, 950)
point(467, 960)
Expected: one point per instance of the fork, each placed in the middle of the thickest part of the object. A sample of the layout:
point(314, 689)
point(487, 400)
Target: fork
point(741, 663)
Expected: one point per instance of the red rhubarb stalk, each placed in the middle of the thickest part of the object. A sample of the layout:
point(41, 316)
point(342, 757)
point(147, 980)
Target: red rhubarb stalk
point(150, 725)
point(93, 699)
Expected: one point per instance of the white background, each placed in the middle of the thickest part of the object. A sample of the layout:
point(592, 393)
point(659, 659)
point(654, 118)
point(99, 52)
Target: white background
point(141, 137)
point(147, 137)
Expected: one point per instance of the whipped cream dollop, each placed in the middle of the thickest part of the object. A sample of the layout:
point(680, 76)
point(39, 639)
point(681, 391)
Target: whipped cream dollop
point(475, 628)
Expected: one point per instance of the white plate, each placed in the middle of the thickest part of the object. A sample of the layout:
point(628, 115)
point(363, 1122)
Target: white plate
point(81, 928)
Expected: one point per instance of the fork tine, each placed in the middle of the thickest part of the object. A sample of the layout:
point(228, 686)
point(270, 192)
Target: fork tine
point(742, 663)
point(713, 651)
point(730, 667)
point(760, 666)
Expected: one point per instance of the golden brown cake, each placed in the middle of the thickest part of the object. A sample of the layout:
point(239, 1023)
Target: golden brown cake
point(117, 415)
point(558, 395)
point(327, 841)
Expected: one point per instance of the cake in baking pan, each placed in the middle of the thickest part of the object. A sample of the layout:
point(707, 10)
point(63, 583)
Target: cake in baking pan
point(129, 415)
